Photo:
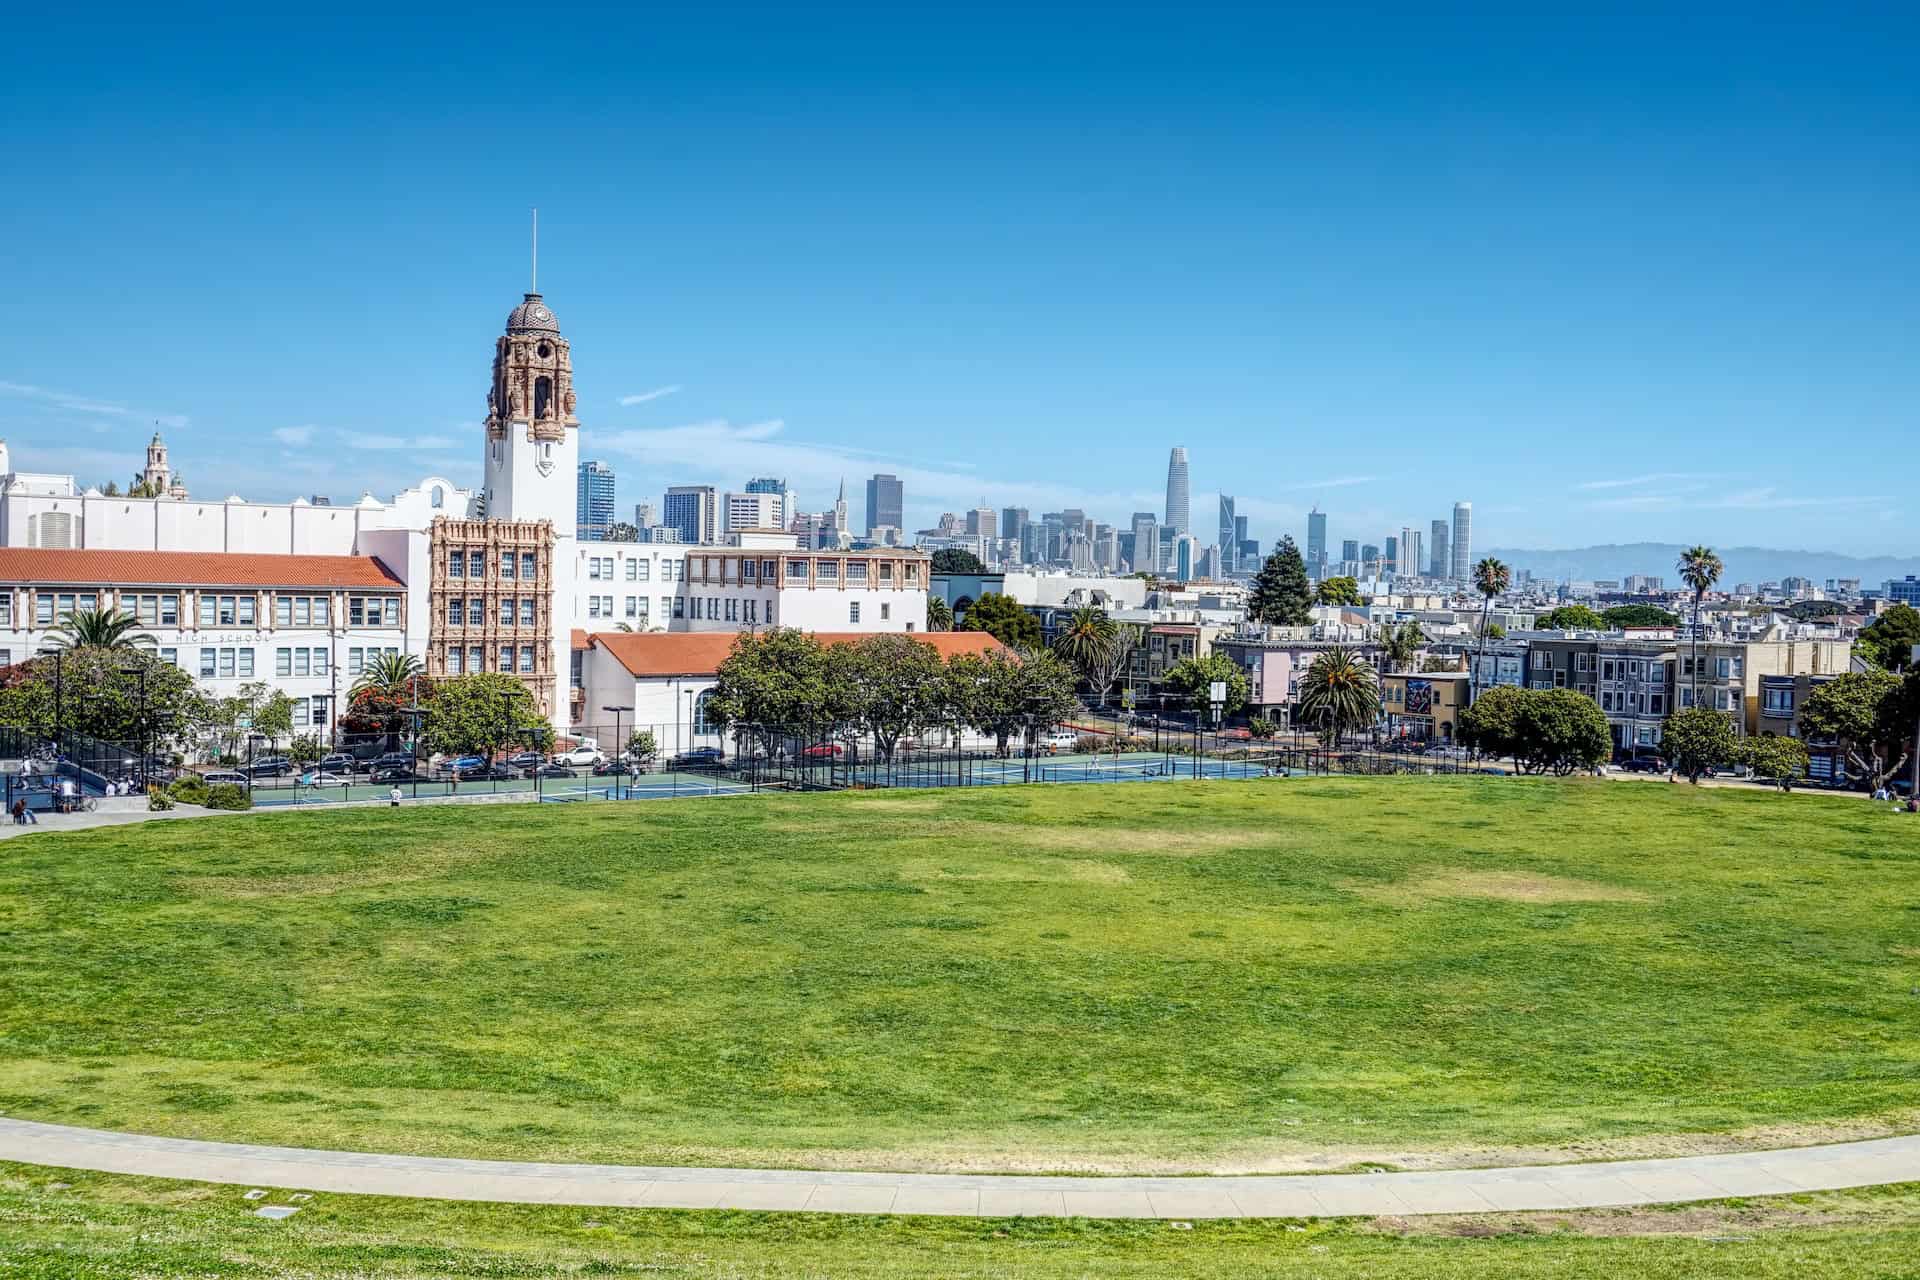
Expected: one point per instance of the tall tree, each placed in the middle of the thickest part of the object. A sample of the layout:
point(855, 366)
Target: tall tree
point(772, 682)
point(887, 686)
point(1106, 667)
point(957, 560)
point(1887, 642)
point(1571, 617)
point(1770, 756)
point(1638, 615)
point(1083, 637)
point(1400, 644)
point(1339, 590)
point(1490, 578)
point(97, 692)
point(1282, 595)
point(999, 694)
point(1339, 693)
point(939, 613)
point(480, 714)
point(1697, 739)
point(1005, 619)
point(1871, 715)
point(1699, 568)
point(1193, 679)
point(99, 629)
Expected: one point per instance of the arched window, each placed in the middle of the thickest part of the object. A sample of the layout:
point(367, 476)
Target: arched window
point(700, 722)
point(438, 497)
point(542, 396)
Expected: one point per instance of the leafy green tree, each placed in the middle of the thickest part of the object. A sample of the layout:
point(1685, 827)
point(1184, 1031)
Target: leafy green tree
point(641, 746)
point(1770, 756)
point(1400, 644)
point(957, 560)
point(1490, 725)
point(1340, 693)
point(1870, 715)
point(889, 686)
point(1262, 728)
point(939, 613)
point(1560, 730)
point(1887, 642)
point(1699, 568)
point(999, 694)
point(1282, 596)
point(1340, 591)
point(1105, 668)
point(273, 716)
point(481, 714)
point(1638, 615)
point(772, 682)
point(379, 699)
point(1192, 679)
point(1005, 619)
point(96, 692)
point(1571, 617)
point(306, 749)
point(1814, 610)
point(1698, 739)
point(1496, 632)
point(99, 629)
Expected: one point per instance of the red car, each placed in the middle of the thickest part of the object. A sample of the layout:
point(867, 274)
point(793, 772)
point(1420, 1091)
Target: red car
point(823, 751)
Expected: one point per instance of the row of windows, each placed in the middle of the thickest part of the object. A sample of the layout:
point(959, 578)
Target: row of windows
point(226, 663)
point(473, 564)
point(163, 609)
point(473, 659)
point(471, 611)
point(1723, 699)
point(1652, 704)
point(299, 662)
point(359, 659)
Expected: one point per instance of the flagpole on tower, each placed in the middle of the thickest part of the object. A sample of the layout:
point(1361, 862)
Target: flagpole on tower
point(535, 283)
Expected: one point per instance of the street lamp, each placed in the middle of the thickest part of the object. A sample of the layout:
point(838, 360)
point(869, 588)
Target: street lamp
point(619, 756)
point(253, 741)
point(145, 752)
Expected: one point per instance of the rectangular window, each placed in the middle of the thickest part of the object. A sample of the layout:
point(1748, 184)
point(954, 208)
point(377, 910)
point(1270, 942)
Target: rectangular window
point(857, 571)
point(747, 568)
point(319, 611)
point(733, 608)
point(752, 608)
point(456, 565)
point(506, 657)
point(146, 609)
point(593, 567)
point(643, 607)
point(319, 662)
point(666, 606)
point(526, 658)
point(453, 662)
point(507, 560)
point(353, 662)
point(476, 564)
point(303, 611)
point(207, 610)
point(633, 571)
point(1656, 704)
point(829, 571)
point(476, 659)
point(886, 573)
point(853, 615)
point(300, 713)
point(886, 612)
point(246, 662)
point(476, 611)
point(527, 565)
point(768, 569)
point(356, 611)
point(643, 570)
point(633, 606)
point(43, 610)
point(226, 663)
point(390, 611)
point(170, 656)
point(797, 570)
point(526, 611)
point(303, 662)
point(456, 610)
point(1722, 668)
point(679, 606)
point(506, 611)
point(245, 615)
point(169, 611)
point(226, 611)
point(593, 606)
point(283, 662)
point(209, 658)
point(913, 573)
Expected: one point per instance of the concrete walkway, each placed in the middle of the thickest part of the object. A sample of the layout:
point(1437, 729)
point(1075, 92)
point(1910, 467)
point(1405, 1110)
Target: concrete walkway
point(1566, 1186)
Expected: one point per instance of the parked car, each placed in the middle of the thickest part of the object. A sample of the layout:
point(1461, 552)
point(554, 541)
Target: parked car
point(325, 779)
point(526, 760)
point(394, 773)
point(1644, 764)
point(703, 757)
point(580, 756)
point(484, 772)
point(604, 768)
point(224, 775)
point(551, 771)
point(391, 760)
point(268, 767)
point(1055, 741)
point(339, 762)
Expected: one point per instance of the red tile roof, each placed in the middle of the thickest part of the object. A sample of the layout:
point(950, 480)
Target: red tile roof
point(700, 653)
point(190, 569)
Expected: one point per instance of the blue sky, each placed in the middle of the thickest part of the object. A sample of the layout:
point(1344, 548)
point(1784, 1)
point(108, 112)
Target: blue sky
point(1643, 275)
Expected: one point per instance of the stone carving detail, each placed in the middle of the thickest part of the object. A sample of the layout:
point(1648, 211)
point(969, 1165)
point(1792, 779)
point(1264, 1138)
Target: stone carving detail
point(532, 348)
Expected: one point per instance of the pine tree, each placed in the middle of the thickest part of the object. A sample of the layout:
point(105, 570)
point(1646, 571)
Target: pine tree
point(1281, 593)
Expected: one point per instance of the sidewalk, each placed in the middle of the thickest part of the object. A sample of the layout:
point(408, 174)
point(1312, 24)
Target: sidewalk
point(1565, 1186)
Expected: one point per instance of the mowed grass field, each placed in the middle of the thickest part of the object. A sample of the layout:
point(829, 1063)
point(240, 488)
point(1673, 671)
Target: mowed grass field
point(1230, 976)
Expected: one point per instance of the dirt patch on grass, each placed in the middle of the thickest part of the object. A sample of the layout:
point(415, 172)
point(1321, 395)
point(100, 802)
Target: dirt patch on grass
point(1037, 869)
point(1502, 886)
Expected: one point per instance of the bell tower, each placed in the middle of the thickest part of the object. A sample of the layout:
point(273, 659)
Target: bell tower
point(533, 437)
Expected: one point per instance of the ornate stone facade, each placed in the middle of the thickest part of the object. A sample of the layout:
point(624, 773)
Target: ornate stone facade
point(532, 376)
point(491, 599)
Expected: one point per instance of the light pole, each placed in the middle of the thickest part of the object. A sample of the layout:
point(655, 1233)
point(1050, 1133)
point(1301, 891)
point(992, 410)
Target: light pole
point(619, 751)
point(141, 673)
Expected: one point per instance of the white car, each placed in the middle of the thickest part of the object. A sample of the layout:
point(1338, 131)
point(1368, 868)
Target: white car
point(578, 757)
point(223, 775)
point(1058, 740)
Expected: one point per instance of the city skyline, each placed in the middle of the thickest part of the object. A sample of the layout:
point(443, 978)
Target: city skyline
point(1490, 292)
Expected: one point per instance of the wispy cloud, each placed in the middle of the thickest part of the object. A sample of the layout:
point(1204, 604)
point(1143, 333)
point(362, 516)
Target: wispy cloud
point(73, 403)
point(374, 441)
point(295, 437)
point(644, 396)
point(1652, 477)
point(1764, 498)
point(1338, 482)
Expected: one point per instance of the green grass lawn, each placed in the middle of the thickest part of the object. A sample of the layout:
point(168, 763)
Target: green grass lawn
point(98, 1227)
point(1177, 976)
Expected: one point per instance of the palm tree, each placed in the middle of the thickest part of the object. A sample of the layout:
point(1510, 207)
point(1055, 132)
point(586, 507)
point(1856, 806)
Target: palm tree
point(939, 613)
point(100, 629)
point(1401, 644)
point(1699, 568)
point(1088, 631)
point(391, 675)
point(1340, 692)
point(1490, 578)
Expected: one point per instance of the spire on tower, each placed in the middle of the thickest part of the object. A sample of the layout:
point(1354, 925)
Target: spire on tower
point(533, 285)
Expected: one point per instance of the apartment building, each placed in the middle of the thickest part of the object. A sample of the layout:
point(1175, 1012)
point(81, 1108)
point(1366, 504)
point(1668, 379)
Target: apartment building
point(490, 599)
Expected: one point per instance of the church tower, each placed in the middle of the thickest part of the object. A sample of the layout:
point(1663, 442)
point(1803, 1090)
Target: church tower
point(533, 437)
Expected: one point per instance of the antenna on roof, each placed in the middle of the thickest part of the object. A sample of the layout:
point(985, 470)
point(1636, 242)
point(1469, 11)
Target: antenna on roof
point(533, 285)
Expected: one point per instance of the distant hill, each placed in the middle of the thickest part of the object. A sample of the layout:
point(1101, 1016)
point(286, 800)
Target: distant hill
point(1744, 564)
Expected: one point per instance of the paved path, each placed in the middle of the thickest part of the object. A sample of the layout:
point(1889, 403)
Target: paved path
point(1566, 1186)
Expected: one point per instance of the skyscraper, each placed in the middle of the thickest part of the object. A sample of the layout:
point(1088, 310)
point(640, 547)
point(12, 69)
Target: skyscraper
point(1462, 541)
point(693, 510)
point(886, 500)
point(1440, 560)
point(780, 509)
point(1226, 543)
point(1391, 560)
point(1317, 543)
point(593, 508)
point(1412, 562)
point(1146, 543)
point(1178, 519)
point(1350, 549)
point(983, 522)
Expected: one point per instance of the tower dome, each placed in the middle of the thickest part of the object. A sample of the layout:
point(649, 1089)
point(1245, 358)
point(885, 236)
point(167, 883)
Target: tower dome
point(533, 316)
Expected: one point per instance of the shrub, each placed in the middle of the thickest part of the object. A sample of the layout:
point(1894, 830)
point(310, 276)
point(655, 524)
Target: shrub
point(1262, 727)
point(1093, 742)
point(190, 788)
point(158, 801)
point(228, 795)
